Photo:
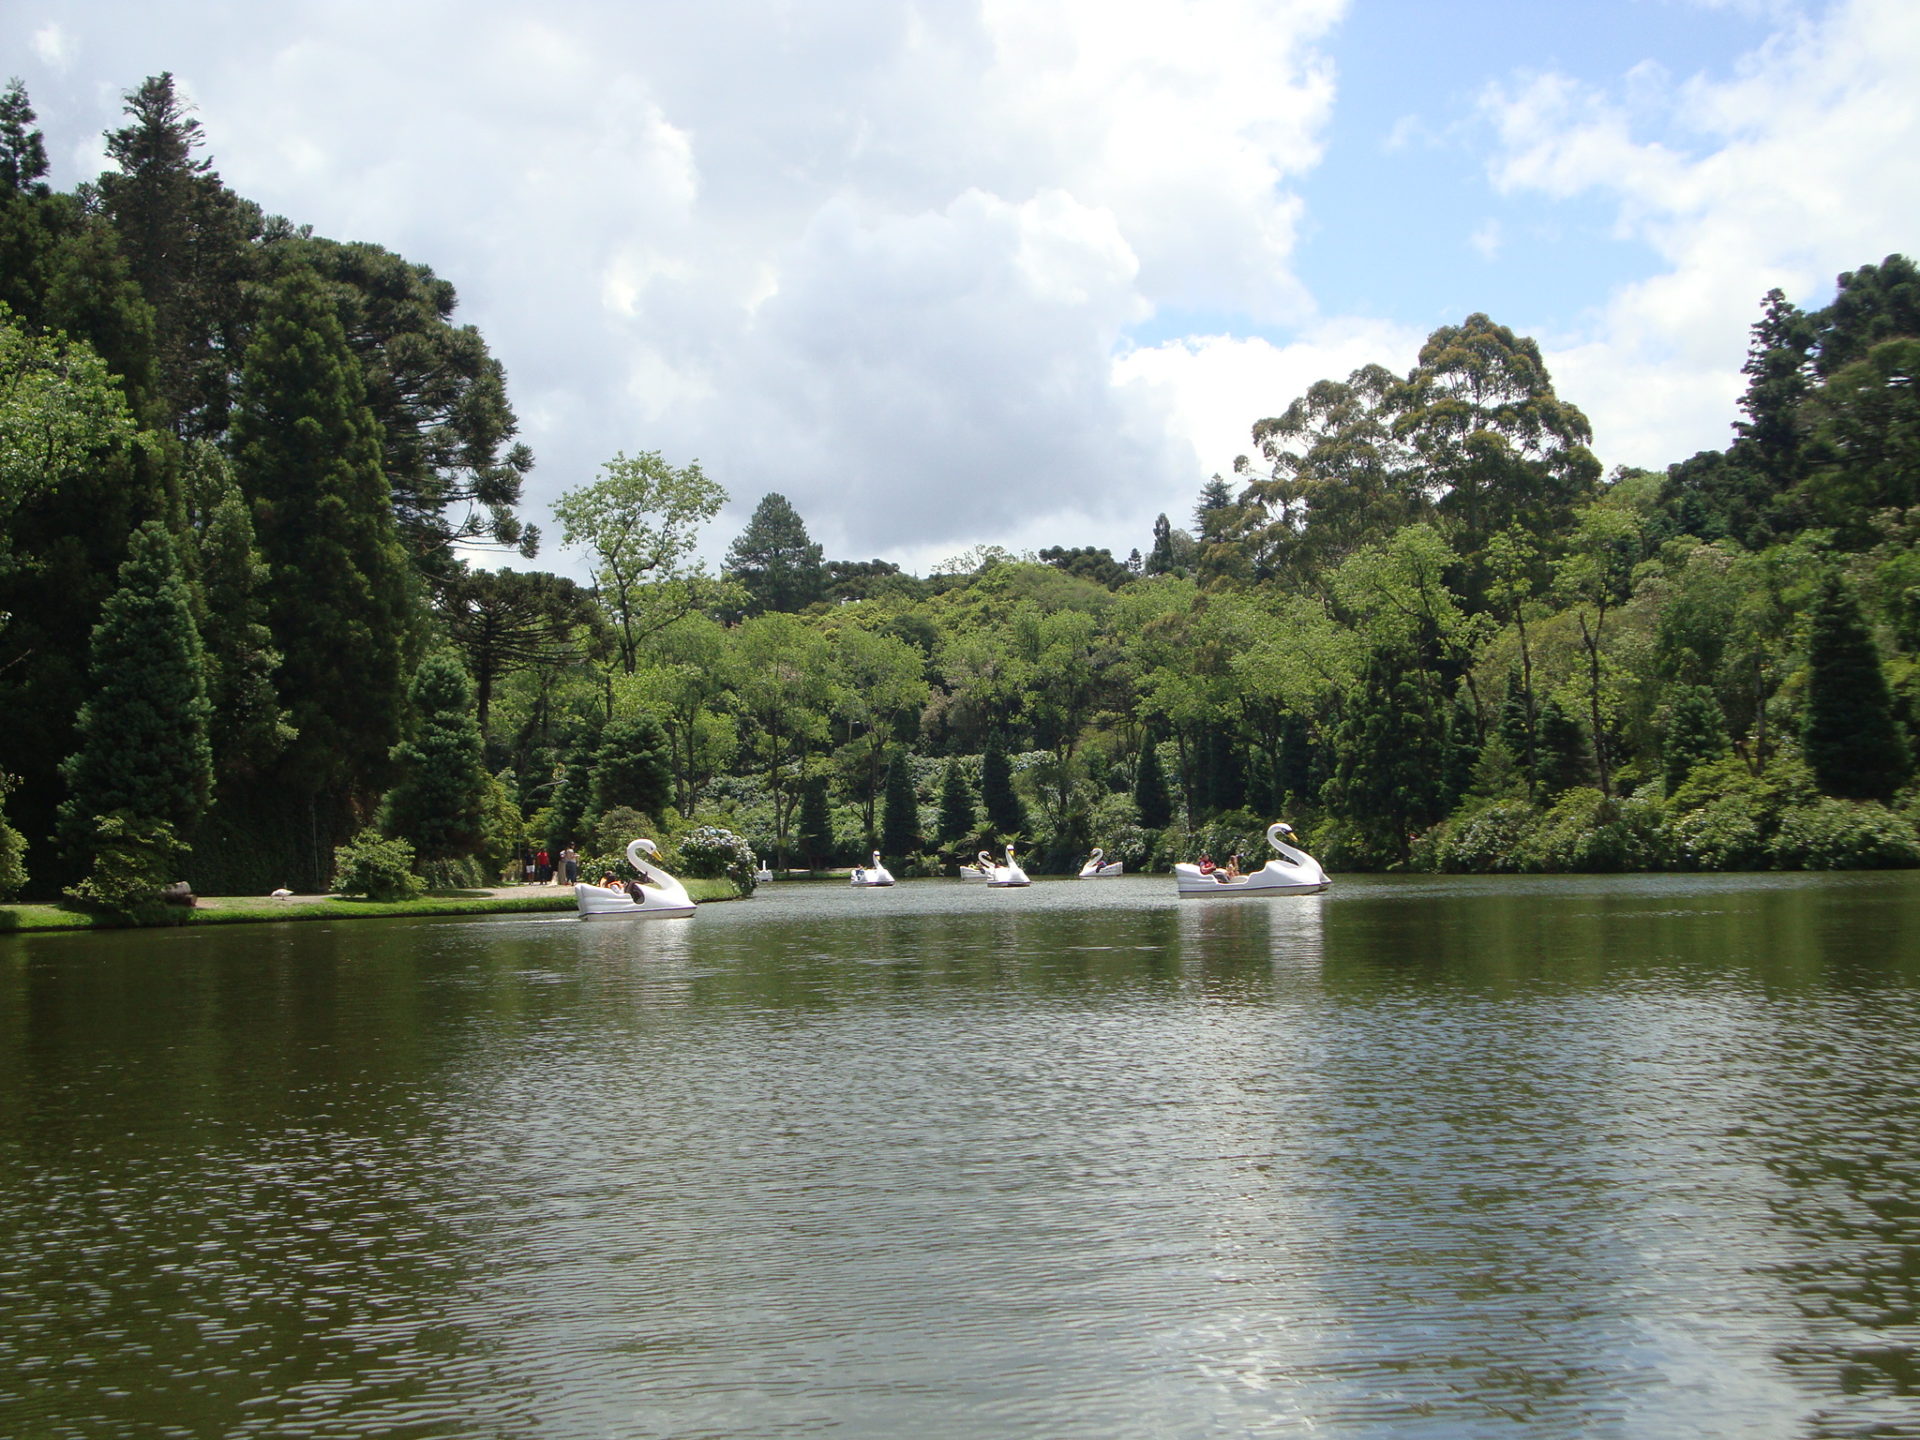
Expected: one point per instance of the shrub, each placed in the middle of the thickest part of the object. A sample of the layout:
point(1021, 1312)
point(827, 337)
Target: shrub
point(465, 872)
point(13, 847)
point(1489, 841)
point(710, 852)
point(376, 867)
point(133, 860)
point(1835, 834)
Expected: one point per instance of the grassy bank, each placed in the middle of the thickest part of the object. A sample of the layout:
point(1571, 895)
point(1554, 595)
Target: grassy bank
point(248, 909)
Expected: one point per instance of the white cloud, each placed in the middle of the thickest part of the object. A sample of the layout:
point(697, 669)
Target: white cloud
point(51, 45)
point(876, 257)
point(1214, 388)
point(1800, 165)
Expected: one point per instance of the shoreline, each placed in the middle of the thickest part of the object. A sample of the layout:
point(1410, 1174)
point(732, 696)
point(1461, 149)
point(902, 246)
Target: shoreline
point(50, 918)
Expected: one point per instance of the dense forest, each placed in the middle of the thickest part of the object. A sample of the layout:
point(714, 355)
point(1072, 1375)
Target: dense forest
point(247, 473)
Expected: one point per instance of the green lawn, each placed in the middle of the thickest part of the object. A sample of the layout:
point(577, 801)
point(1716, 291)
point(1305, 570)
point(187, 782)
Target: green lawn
point(248, 909)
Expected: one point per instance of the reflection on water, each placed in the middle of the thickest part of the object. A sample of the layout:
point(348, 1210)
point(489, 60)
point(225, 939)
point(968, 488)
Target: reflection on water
point(1627, 1156)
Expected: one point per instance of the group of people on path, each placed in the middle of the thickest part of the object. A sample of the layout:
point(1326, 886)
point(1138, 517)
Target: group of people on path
point(540, 869)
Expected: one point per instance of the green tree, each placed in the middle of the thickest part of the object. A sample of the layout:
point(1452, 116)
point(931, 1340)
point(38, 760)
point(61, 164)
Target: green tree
point(956, 806)
point(1496, 445)
point(439, 801)
point(1695, 733)
point(1340, 478)
point(639, 523)
point(506, 621)
point(13, 846)
point(900, 815)
point(342, 604)
point(249, 727)
point(1849, 735)
point(60, 410)
point(1150, 790)
point(880, 686)
point(774, 560)
point(782, 690)
point(814, 832)
point(998, 798)
point(23, 152)
point(1562, 757)
point(633, 768)
point(188, 242)
point(1391, 756)
point(144, 754)
point(1863, 446)
point(447, 431)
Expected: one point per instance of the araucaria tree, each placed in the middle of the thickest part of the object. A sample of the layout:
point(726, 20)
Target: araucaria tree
point(341, 599)
point(143, 757)
point(442, 790)
point(1851, 739)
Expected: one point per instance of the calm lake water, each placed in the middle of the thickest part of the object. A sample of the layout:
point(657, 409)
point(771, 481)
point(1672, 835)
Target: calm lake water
point(1593, 1156)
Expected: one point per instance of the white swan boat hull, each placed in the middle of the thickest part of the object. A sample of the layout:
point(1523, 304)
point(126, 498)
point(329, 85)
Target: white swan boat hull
point(1102, 872)
point(868, 877)
point(661, 896)
point(597, 904)
point(1273, 878)
point(1290, 872)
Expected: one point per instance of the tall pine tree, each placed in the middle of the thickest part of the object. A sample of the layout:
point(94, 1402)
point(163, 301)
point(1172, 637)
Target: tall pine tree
point(775, 560)
point(1850, 736)
point(1005, 813)
point(143, 755)
point(956, 805)
point(439, 799)
point(899, 811)
point(1150, 789)
point(342, 604)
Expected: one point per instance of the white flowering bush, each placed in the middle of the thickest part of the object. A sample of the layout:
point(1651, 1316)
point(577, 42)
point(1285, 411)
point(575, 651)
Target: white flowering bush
point(710, 851)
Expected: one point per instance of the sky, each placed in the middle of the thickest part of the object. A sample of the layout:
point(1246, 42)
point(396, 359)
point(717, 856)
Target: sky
point(1026, 272)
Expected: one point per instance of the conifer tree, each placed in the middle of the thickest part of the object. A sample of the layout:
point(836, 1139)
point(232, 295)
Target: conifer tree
point(188, 242)
point(440, 799)
point(956, 805)
point(568, 808)
point(1562, 757)
point(899, 811)
point(1005, 813)
point(1150, 790)
point(249, 728)
point(634, 767)
point(1517, 723)
point(815, 828)
point(1390, 755)
point(775, 560)
point(143, 752)
point(342, 604)
point(1849, 734)
point(1696, 731)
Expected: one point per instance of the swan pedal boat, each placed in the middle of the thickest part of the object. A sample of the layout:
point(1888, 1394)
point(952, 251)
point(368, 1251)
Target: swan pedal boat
point(868, 876)
point(662, 896)
point(1097, 867)
point(1291, 872)
point(982, 869)
point(1009, 875)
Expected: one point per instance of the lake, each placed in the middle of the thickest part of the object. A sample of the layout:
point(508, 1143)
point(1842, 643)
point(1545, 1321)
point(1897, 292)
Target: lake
point(1596, 1156)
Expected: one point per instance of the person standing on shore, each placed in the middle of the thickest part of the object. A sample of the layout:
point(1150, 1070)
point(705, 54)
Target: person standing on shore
point(570, 858)
point(542, 868)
